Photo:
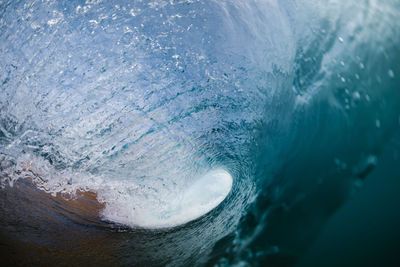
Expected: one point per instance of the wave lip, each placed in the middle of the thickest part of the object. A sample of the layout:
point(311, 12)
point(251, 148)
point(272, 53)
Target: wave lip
point(205, 194)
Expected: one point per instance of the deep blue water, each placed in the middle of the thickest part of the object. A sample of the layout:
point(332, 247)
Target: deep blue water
point(290, 102)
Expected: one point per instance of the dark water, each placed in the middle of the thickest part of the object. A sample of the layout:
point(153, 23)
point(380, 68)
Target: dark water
point(364, 231)
point(116, 115)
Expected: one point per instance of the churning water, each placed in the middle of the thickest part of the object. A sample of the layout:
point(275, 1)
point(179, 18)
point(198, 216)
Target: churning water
point(213, 132)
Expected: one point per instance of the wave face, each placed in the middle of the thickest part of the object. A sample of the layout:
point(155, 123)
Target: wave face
point(168, 109)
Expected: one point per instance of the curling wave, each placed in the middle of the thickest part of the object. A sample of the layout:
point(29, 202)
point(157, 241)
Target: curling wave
point(215, 111)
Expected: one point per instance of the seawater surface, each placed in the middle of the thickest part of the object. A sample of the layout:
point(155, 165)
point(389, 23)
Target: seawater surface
point(188, 132)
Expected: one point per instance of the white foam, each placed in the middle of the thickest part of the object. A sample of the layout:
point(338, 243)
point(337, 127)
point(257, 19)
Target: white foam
point(206, 193)
point(150, 203)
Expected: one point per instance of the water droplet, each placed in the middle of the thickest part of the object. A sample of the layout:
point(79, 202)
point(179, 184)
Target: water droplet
point(378, 124)
point(362, 66)
point(356, 95)
point(341, 39)
point(391, 73)
point(341, 165)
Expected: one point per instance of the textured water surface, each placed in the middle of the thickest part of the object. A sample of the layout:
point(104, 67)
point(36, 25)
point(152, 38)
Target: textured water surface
point(204, 132)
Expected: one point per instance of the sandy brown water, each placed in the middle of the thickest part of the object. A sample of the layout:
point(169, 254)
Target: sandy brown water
point(38, 229)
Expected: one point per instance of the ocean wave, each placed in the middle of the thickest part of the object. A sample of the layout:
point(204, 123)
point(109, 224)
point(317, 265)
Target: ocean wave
point(172, 111)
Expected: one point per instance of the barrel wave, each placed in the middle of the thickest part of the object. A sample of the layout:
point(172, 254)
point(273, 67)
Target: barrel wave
point(214, 122)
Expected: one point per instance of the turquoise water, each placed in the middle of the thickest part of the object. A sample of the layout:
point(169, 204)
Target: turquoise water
point(218, 132)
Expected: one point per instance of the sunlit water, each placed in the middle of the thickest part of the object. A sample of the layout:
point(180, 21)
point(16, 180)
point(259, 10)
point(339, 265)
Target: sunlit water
point(211, 131)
